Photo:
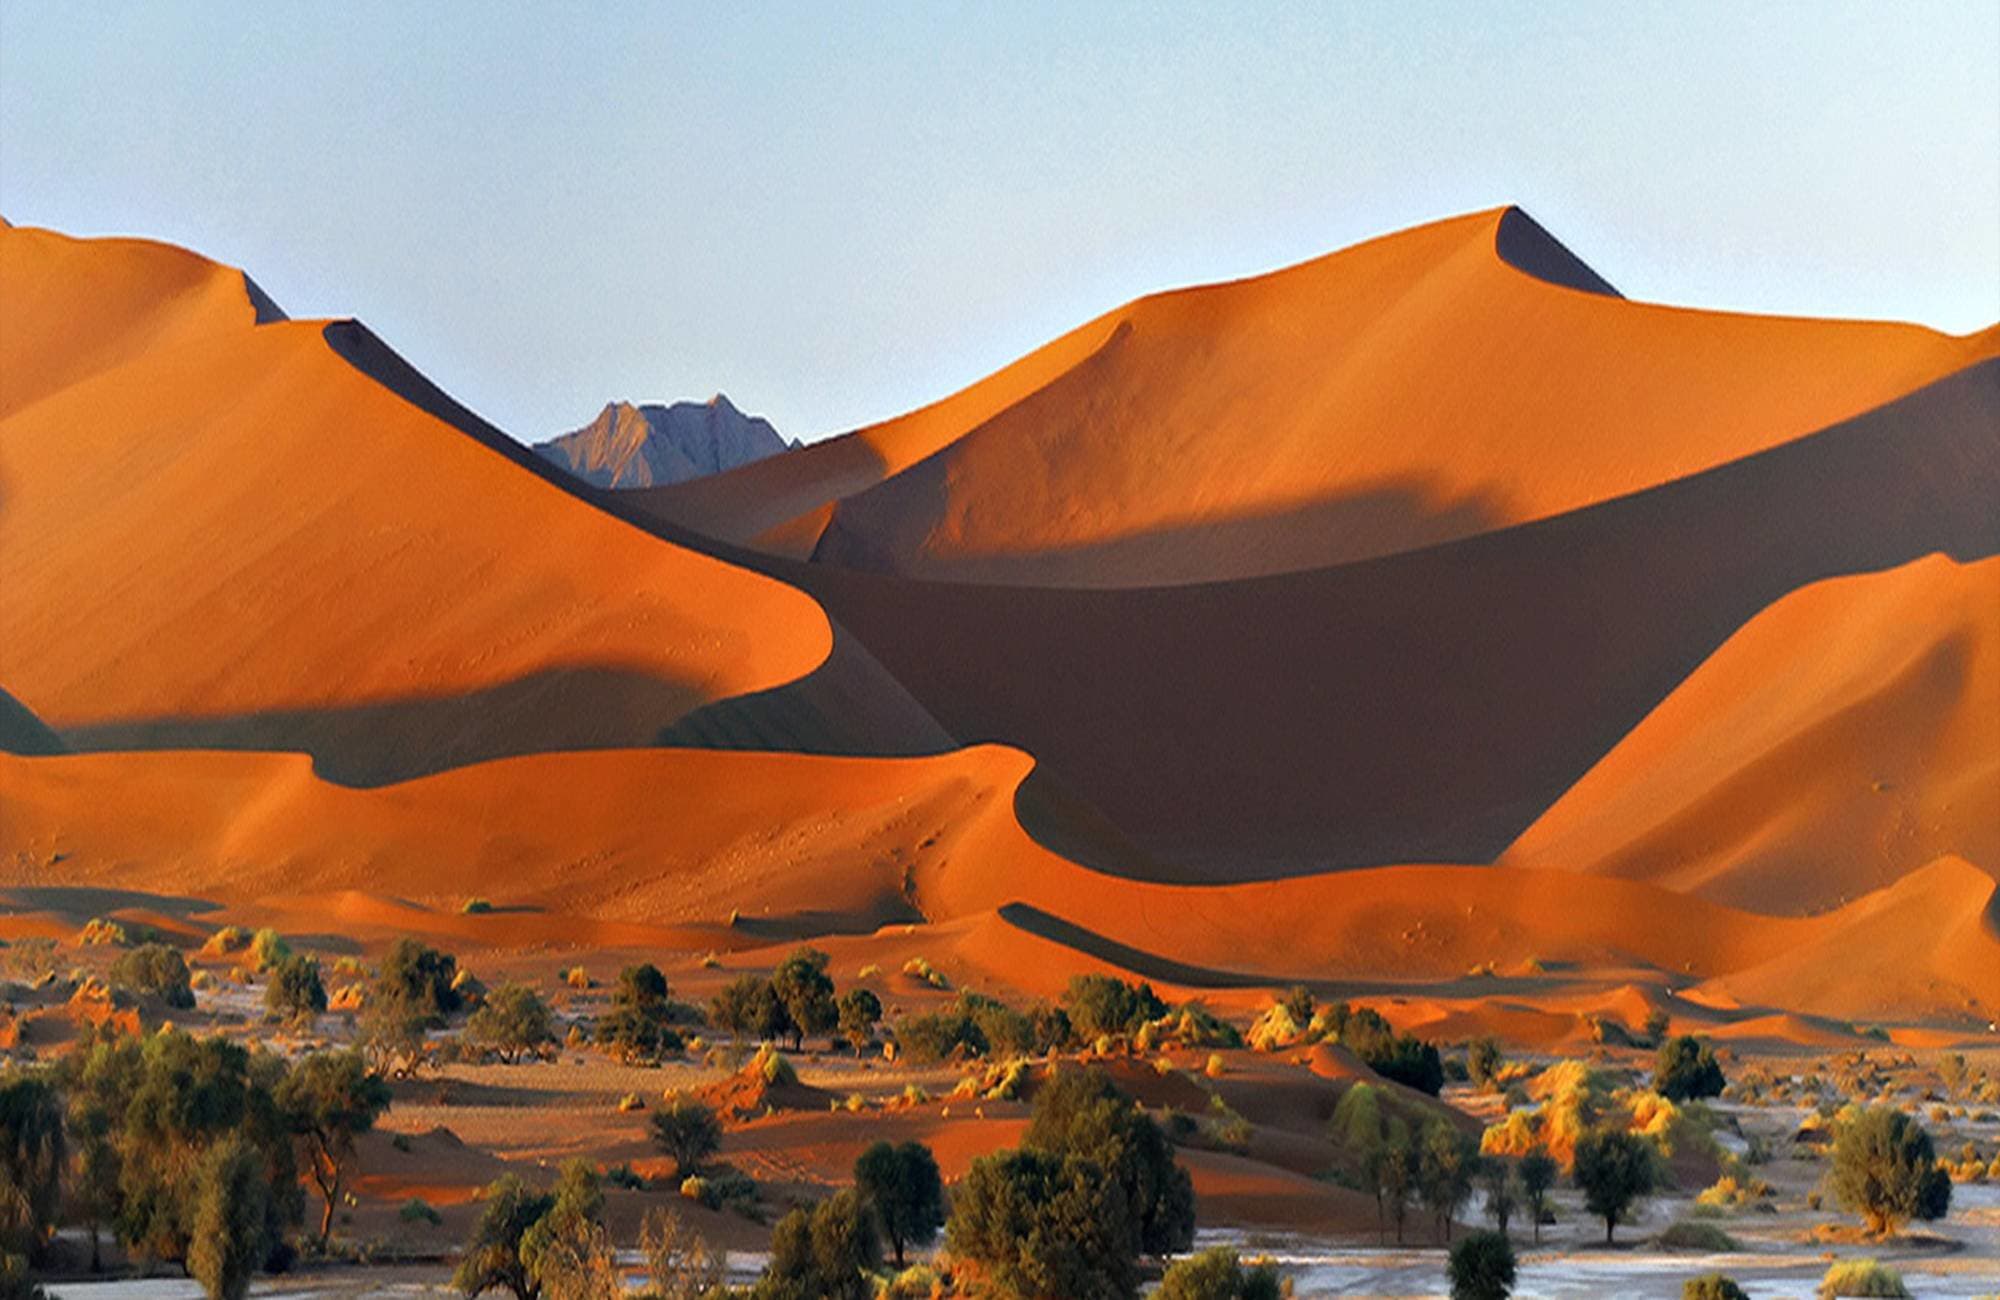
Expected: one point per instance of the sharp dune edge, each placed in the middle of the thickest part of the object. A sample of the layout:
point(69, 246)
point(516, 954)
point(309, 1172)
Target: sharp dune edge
point(222, 531)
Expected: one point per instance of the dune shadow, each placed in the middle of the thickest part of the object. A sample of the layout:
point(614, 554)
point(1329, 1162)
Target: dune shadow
point(81, 902)
point(559, 709)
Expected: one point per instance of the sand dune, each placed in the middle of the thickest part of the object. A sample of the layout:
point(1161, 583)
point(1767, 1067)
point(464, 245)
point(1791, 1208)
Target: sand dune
point(1421, 387)
point(1842, 739)
point(221, 535)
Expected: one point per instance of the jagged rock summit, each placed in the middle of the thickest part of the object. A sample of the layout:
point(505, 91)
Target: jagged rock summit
point(630, 446)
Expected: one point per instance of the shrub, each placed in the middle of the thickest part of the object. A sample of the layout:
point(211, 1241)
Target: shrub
point(230, 1231)
point(1690, 1235)
point(860, 1010)
point(903, 1185)
point(413, 976)
point(1104, 1004)
point(827, 1253)
point(295, 989)
point(638, 1027)
point(418, 1210)
point(1219, 1274)
point(688, 1133)
point(1482, 1267)
point(476, 907)
point(770, 1064)
point(1885, 1170)
point(1483, 1061)
point(803, 986)
point(1043, 1224)
point(98, 932)
point(512, 1022)
point(1686, 1069)
point(157, 969)
point(919, 968)
point(1613, 1169)
point(267, 949)
point(1862, 1277)
point(1081, 1113)
point(751, 1008)
point(1712, 1286)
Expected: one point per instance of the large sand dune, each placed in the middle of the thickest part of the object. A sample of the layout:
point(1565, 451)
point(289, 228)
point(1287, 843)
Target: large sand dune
point(1843, 738)
point(1426, 386)
point(225, 533)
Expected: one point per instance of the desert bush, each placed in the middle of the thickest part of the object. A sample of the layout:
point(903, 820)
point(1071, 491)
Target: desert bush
point(1885, 1170)
point(1694, 1235)
point(1081, 1113)
point(1104, 1004)
point(828, 1252)
point(1482, 1267)
point(267, 949)
point(230, 1234)
point(1219, 1274)
point(1042, 1224)
point(1712, 1286)
point(1686, 1069)
point(512, 1022)
point(98, 932)
point(688, 1132)
point(919, 968)
point(295, 989)
point(418, 1210)
point(476, 907)
point(1862, 1277)
point(639, 1024)
point(860, 1010)
point(157, 969)
point(750, 1007)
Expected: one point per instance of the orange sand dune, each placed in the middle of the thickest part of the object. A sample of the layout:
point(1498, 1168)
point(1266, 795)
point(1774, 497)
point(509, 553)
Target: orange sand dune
point(1843, 738)
point(231, 536)
point(1420, 387)
point(802, 845)
point(1428, 705)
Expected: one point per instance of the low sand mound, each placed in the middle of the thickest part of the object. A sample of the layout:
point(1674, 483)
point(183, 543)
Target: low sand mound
point(282, 537)
point(767, 1083)
point(1843, 738)
point(1438, 382)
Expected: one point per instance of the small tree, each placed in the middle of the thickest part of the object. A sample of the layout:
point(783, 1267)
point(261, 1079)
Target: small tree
point(576, 1205)
point(803, 986)
point(1447, 1160)
point(1218, 1274)
point(679, 1261)
point(331, 1099)
point(688, 1133)
point(1040, 1224)
point(1496, 1175)
point(231, 1235)
point(903, 1185)
point(1104, 1004)
point(1538, 1175)
point(1687, 1069)
point(295, 989)
point(1482, 1062)
point(860, 1010)
point(1482, 1267)
point(420, 977)
point(1885, 1170)
point(827, 1253)
point(639, 1024)
point(157, 969)
point(750, 1008)
point(1389, 1170)
point(32, 1155)
point(1082, 1113)
point(511, 1023)
point(492, 1258)
point(1614, 1169)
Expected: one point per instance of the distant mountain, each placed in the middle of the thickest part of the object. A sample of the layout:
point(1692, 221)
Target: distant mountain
point(629, 446)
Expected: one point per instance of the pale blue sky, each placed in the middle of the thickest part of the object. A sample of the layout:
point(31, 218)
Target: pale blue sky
point(835, 212)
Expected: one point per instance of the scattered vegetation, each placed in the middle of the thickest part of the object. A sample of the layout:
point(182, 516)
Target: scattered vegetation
point(1885, 1170)
point(156, 969)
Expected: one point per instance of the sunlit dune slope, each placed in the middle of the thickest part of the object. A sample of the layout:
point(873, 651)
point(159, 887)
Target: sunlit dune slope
point(1429, 705)
point(227, 534)
point(1843, 738)
point(1421, 387)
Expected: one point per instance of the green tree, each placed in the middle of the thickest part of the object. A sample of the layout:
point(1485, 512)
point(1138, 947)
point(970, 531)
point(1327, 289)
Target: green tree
point(824, 1254)
point(1686, 1069)
point(420, 977)
point(1538, 1175)
point(639, 1025)
point(231, 1220)
point(1482, 1267)
point(1885, 1170)
point(688, 1132)
point(1042, 1224)
point(1082, 1113)
point(331, 1099)
point(1103, 1004)
point(1389, 1173)
point(860, 1010)
point(1496, 1175)
point(903, 1185)
point(157, 969)
point(1218, 1274)
point(1614, 1169)
point(802, 984)
point(32, 1155)
point(492, 1258)
point(1483, 1061)
point(513, 1022)
point(1447, 1162)
point(750, 1007)
point(576, 1205)
point(295, 989)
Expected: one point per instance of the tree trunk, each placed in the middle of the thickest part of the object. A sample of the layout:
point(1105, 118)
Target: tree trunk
point(1610, 1221)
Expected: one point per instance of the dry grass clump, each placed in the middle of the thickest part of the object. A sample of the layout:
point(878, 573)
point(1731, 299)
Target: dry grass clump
point(1862, 1277)
point(919, 968)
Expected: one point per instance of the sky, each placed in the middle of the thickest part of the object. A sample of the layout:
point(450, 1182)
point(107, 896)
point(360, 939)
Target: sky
point(834, 213)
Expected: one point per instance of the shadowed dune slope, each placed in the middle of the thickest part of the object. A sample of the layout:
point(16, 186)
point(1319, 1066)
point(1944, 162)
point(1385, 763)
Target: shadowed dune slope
point(1425, 386)
point(1843, 738)
point(1428, 705)
point(236, 536)
point(803, 844)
